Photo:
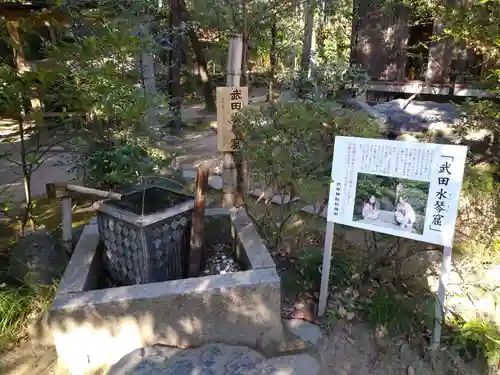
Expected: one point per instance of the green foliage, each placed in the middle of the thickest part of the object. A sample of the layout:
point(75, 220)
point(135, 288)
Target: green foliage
point(309, 259)
point(309, 262)
point(18, 306)
point(482, 334)
point(120, 161)
point(398, 311)
point(292, 143)
point(289, 146)
point(478, 221)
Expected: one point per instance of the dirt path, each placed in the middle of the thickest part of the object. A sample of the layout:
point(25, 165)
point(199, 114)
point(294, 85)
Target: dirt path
point(26, 360)
point(355, 350)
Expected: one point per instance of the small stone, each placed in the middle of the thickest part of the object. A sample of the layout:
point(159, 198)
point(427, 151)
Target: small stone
point(382, 335)
point(350, 315)
point(411, 370)
point(342, 311)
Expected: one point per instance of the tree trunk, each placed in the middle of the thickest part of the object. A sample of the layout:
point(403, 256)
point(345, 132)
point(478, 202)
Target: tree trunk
point(26, 169)
point(321, 37)
point(272, 58)
point(440, 52)
point(174, 71)
point(20, 61)
point(244, 54)
point(148, 69)
point(305, 61)
point(200, 59)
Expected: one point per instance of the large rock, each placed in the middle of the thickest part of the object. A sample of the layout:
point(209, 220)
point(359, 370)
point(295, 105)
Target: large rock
point(35, 258)
point(211, 359)
point(470, 290)
point(419, 116)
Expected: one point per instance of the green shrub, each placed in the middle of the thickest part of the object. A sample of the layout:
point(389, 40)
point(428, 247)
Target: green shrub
point(18, 306)
point(289, 146)
point(114, 162)
point(479, 334)
point(478, 220)
point(397, 310)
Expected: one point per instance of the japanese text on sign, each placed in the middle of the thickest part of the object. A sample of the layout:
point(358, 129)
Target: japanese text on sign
point(229, 101)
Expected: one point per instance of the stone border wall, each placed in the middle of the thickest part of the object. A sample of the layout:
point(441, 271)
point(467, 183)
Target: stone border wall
point(93, 328)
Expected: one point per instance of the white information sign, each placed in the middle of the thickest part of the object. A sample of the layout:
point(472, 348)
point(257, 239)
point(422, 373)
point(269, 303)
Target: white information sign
point(229, 101)
point(406, 189)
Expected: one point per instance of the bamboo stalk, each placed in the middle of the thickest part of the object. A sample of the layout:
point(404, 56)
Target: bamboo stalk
point(196, 242)
point(61, 190)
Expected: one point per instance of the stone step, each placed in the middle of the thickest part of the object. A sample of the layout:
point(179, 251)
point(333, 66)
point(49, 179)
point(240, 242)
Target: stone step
point(211, 359)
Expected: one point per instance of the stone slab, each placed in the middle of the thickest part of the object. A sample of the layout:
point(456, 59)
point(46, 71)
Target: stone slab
point(211, 359)
point(215, 181)
point(306, 331)
point(314, 210)
point(276, 198)
point(249, 239)
point(299, 364)
point(386, 219)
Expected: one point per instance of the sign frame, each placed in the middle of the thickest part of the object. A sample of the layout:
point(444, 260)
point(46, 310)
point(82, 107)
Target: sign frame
point(433, 168)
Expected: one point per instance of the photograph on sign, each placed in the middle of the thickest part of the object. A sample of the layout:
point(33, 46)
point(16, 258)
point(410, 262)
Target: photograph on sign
point(391, 202)
point(229, 101)
point(406, 189)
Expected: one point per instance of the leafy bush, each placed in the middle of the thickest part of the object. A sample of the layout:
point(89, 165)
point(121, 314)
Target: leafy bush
point(289, 148)
point(479, 334)
point(397, 310)
point(114, 162)
point(478, 221)
point(310, 260)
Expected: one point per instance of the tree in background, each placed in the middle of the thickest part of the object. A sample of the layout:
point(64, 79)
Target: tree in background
point(89, 76)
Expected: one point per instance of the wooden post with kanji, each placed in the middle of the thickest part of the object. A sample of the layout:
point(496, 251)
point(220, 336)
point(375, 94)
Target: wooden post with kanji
point(229, 100)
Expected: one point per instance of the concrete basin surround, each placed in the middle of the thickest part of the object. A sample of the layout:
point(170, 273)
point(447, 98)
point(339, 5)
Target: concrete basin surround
point(93, 328)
